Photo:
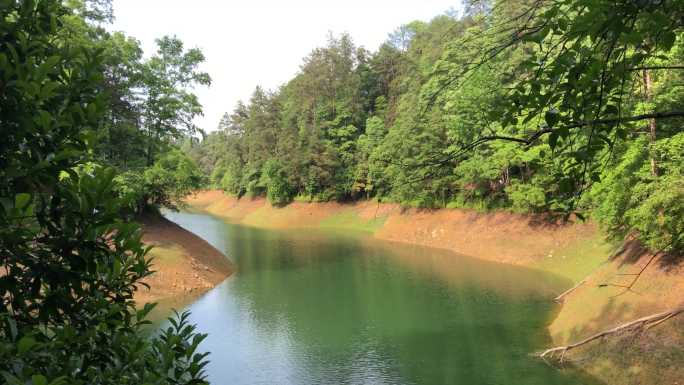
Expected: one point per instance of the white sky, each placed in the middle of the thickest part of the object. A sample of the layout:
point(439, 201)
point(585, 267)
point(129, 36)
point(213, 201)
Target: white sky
point(262, 42)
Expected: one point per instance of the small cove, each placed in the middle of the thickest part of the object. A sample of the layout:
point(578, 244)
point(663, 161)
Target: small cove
point(316, 307)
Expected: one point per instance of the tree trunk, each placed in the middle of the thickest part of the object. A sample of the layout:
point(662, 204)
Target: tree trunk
point(648, 94)
point(149, 151)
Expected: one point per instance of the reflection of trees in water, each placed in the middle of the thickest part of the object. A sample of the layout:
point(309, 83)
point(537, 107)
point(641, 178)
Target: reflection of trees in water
point(376, 310)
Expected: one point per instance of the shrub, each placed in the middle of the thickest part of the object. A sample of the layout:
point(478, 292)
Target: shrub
point(631, 199)
point(526, 197)
point(278, 190)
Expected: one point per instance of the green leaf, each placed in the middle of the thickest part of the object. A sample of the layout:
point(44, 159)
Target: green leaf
point(22, 200)
point(553, 140)
point(39, 379)
point(10, 379)
point(25, 344)
point(611, 110)
point(13, 327)
point(551, 117)
point(668, 40)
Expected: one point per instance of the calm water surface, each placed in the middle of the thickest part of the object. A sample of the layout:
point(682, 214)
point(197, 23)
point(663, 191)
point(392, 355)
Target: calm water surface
point(309, 307)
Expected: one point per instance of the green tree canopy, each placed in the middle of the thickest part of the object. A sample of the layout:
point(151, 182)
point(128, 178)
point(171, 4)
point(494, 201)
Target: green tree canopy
point(69, 261)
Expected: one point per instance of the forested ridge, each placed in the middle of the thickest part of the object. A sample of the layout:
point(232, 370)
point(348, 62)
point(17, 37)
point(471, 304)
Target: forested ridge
point(568, 108)
point(563, 108)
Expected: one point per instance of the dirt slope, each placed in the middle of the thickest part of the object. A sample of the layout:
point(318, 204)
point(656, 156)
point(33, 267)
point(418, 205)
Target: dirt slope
point(655, 356)
point(185, 265)
point(501, 237)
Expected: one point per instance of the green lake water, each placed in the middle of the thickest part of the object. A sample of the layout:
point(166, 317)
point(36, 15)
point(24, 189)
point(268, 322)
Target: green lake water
point(316, 307)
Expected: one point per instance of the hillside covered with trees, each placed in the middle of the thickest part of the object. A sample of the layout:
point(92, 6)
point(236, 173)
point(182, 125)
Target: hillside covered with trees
point(570, 107)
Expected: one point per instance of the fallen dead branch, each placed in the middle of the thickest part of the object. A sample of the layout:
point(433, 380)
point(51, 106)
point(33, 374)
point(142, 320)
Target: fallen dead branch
point(562, 295)
point(643, 323)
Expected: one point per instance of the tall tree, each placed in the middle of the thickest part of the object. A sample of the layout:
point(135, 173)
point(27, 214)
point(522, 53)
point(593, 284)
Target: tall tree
point(169, 106)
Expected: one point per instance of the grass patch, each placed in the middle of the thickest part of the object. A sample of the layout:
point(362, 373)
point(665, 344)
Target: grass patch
point(350, 220)
point(166, 253)
point(577, 260)
point(260, 217)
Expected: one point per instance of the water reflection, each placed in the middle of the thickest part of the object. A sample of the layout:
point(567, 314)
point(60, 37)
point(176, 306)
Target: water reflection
point(309, 307)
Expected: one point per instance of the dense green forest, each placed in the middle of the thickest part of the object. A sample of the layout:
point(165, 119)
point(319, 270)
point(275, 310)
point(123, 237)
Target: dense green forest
point(570, 107)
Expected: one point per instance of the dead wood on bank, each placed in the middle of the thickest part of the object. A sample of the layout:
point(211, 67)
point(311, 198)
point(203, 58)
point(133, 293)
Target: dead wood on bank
point(640, 324)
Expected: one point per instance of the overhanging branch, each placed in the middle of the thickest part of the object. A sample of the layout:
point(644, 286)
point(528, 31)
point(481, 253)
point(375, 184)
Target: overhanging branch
point(648, 68)
point(532, 138)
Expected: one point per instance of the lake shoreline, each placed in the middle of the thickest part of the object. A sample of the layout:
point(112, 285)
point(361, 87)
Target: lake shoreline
point(574, 251)
point(184, 264)
point(503, 237)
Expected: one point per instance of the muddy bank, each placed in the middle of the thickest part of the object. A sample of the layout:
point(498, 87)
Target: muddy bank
point(185, 265)
point(501, 237)
point(576, 251)
point(654, 356)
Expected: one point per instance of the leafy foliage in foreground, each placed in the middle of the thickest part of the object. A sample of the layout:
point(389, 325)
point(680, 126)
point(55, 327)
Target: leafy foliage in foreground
point(69, 264)
point(564, 107)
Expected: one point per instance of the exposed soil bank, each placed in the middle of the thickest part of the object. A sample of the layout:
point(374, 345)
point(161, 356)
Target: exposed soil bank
point(185, 265)
point(500, 237)
point(655, 356)
point(575, 251)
